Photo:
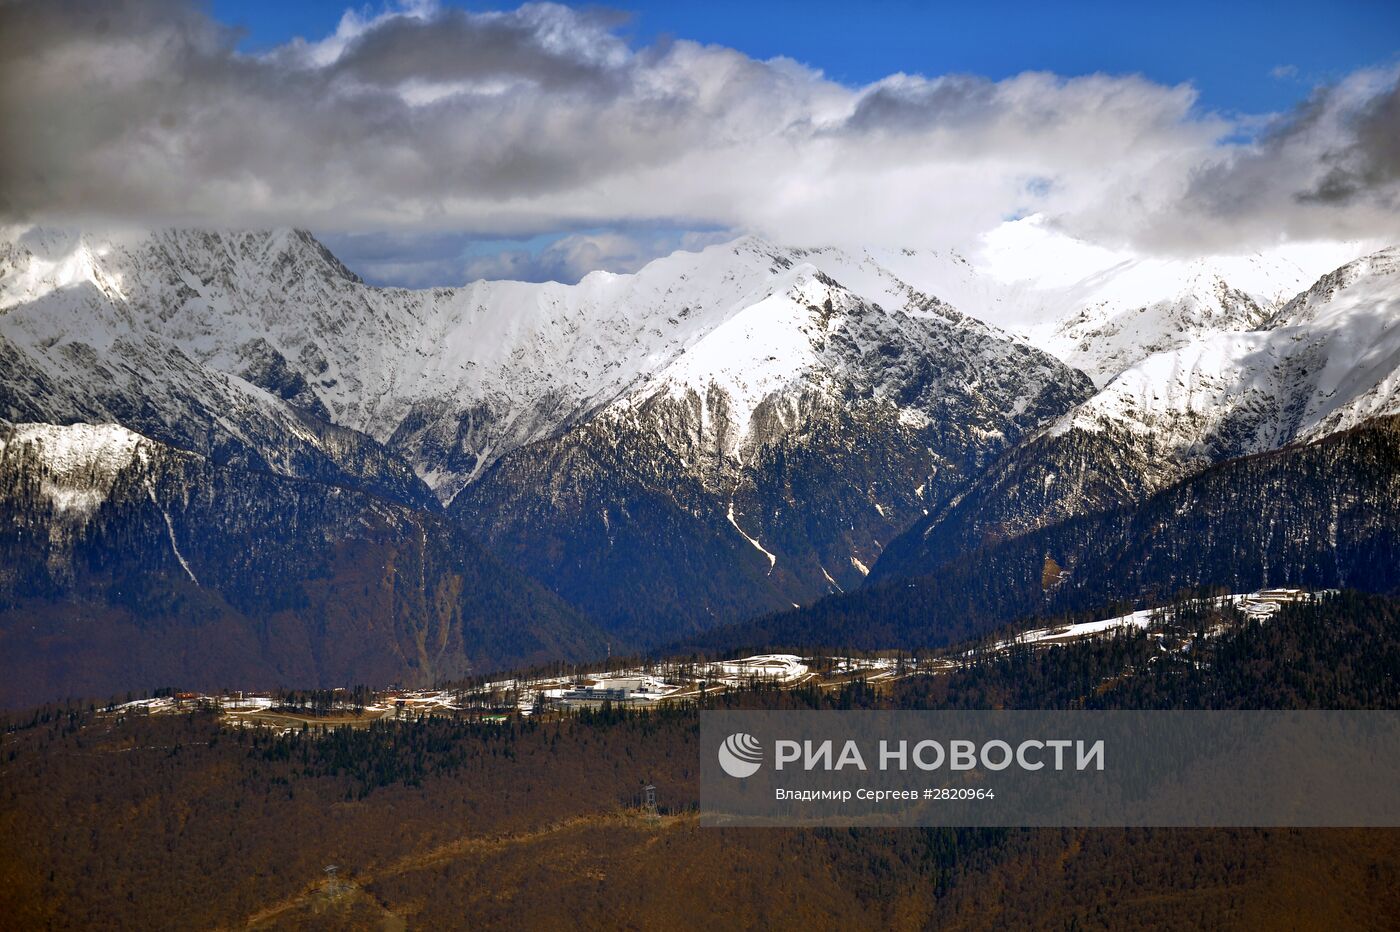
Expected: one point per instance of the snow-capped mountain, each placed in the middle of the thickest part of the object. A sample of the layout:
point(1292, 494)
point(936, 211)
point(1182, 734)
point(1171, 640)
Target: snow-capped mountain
point(1149, 307)
point(1325, 361)
point(1103, 310)
point(770, 462)
point(451, 378)
point(84, 340)
point(242, 346)
point(723, 432)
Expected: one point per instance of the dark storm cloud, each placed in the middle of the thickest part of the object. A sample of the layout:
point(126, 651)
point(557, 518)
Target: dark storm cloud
point(455, 46)
point(148, 108)
point(918, 106)
point(1370, 164)
point(1331, 167)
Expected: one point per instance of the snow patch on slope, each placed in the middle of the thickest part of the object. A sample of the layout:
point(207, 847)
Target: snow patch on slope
point(772, 558)
point(78, 463)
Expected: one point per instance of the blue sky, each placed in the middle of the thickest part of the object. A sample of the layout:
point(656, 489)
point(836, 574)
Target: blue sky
point(1243, 56)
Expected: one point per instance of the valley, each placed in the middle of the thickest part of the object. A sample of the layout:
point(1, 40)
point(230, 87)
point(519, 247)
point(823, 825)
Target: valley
point(659, 681)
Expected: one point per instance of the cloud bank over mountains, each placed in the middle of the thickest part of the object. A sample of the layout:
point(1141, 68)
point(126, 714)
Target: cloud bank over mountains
point(427, 121)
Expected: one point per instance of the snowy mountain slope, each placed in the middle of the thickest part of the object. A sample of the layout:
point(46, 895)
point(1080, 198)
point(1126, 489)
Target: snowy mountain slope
point(147, 383)
point(450, 377)
point(773, 416)
point(1326, 361)
point(812, 327)
point(770, 462)
point(1116, 328)
point(1103, 310)
point(1351, 321)
point(80, 462)
point(770, 411)
point(1329, 359)
point(77, 350)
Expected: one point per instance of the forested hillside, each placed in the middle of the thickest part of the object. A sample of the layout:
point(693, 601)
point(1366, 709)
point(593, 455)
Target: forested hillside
point(1325, 514)
point(130, 563)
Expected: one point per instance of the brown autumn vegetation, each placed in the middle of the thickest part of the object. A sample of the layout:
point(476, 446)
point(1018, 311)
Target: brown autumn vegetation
point(148, 822)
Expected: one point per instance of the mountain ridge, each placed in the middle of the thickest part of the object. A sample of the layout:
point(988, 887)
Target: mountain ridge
point(737, 430)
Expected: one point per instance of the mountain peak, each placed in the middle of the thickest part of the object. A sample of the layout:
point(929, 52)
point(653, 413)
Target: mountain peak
point(1363, 282)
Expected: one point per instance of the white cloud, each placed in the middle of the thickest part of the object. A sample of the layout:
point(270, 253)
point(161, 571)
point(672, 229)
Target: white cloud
point(424, 120)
